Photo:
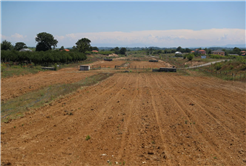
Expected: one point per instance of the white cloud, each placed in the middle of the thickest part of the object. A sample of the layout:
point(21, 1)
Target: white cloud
point(165, 38)
point(14, 38)
point(17, 36)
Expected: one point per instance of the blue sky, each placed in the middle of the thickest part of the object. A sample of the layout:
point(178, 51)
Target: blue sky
point(163, 24)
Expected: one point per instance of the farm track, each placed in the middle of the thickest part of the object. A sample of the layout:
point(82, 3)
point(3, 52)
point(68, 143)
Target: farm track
point(136, 118)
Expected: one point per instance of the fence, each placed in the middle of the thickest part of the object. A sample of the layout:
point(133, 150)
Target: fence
point(227, 75)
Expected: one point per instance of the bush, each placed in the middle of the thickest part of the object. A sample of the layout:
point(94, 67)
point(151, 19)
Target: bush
point(87, 138)
point(55, 67)
point(218, 66)
point(216, 56)
point(2, 67)
point(190, 57)
point(178, 55)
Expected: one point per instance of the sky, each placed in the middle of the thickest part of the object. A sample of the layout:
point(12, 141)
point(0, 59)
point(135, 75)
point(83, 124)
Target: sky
point(126, 24)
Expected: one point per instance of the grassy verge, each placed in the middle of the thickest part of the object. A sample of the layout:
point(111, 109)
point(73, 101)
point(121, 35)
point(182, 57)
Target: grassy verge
point(16, 107)
point(18, 71)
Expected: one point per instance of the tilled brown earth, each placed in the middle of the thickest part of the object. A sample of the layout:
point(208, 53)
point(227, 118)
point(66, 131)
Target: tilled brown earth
point(135, 119)
point(15, 86)
point(147, 64)
point(107, 64)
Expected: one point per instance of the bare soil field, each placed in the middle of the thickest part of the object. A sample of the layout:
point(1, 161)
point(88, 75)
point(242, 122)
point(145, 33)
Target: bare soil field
point(135, 119)
point(108, 64)
point(16, 86)
point(147, 64)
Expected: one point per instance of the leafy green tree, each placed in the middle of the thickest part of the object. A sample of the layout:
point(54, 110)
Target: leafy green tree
point(19, 46)
point(123, 51)
point(187, 50)
point(45, 41)
point(218, 66)
point(179, 49)
point(62, 48)
point(190, 57)
point(116, 50)
point(5, 45)
point(94, 48)
point(236, 50)
point(83, 45)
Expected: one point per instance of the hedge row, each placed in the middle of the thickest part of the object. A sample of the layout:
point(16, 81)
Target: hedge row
point(41, 57)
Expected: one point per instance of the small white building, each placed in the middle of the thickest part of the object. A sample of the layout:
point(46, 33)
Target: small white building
point(84, 68)
point(178, 53)
point(25, 50)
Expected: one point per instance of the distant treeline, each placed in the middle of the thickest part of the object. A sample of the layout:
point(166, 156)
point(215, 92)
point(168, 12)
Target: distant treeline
point(41, 57)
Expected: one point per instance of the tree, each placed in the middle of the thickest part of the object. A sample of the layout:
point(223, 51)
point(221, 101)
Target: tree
point(62, 48)
point(5, 45)
point(187, 50)
point(123, 50)
point(236, 50)
point(94, 48)
point(218, 66)
point(190, 57)
point(19, 46)
point(45, 41)
point(83, 45)
point(179, 49)
point(116, 50)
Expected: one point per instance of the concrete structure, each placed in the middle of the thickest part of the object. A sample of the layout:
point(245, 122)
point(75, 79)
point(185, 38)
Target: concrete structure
point(94, 51)
point(218, 52)
point(108, 59)
point(84, 68)
point(153, 60)
point(165, 69)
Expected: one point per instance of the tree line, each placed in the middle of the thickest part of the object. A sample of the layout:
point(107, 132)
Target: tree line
point(42, 57)
point(45, 53)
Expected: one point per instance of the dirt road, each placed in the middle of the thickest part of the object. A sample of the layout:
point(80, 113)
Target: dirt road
point(135, 119)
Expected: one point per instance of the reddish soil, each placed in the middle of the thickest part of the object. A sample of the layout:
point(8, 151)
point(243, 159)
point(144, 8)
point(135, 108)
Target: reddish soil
point(15, 86)
point(136, 118)
point(147, 64)
point(107, 64)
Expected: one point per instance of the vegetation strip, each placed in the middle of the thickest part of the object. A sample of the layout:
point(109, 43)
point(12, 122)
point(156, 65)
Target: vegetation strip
point(15, 108)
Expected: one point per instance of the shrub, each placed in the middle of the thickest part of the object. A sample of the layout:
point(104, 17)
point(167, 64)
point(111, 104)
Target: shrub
point(216, 56)
point(178, 55)
point(190, 57)
point(2, 67)
point(55, 67)
point(218, 66)
point(87, 138)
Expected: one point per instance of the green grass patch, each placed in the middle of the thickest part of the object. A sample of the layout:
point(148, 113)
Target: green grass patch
point(18, 71)
point(16, 107)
